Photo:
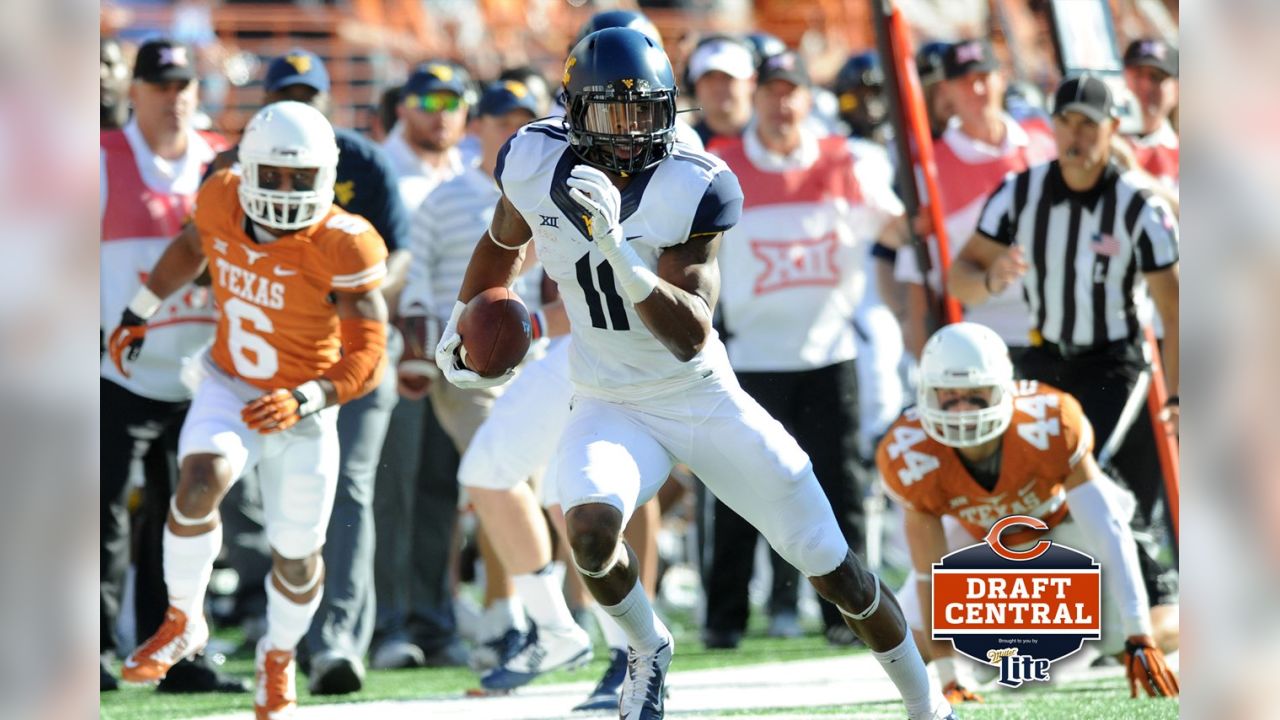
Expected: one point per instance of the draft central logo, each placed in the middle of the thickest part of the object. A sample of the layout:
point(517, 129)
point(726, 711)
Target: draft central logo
point(1019, 609)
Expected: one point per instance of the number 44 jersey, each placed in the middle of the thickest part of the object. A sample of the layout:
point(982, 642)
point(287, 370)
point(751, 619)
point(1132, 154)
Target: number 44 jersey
point(614, 356)
point(1048, 436)
point(277, 325)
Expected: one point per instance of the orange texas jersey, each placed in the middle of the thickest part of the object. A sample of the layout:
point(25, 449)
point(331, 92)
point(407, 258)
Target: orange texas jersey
point(278, 327)
point(1048, 436)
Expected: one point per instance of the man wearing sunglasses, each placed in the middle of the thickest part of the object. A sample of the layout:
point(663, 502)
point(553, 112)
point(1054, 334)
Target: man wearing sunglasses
point(426, 145)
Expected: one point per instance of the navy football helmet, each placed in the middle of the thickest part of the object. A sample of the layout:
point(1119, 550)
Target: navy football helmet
point(620, 100)
point(860, 70)
point(859, 87)
point(618, 18)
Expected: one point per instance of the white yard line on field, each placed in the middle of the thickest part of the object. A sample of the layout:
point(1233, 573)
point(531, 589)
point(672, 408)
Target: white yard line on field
point(702, 693)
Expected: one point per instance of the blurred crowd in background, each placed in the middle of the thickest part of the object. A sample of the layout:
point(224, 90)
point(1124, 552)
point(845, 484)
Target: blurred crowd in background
point(372, 45)
point(409, 79)
point(371, 48)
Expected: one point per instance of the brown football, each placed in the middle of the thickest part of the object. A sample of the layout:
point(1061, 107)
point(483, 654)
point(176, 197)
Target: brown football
point(495, 332)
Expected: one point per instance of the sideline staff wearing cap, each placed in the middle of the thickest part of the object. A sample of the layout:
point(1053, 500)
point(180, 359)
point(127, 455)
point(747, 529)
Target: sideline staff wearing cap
point(161, 61)
point(1087, 237)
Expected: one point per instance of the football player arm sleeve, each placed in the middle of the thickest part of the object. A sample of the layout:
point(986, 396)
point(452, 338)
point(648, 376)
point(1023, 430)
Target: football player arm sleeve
point(362, 323)
point(1094, 502)
point(499, 256)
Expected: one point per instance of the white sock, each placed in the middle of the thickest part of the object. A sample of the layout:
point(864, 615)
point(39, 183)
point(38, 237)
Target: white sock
point(287, 621)
point(645, 631)
point(905, 668)
point(502, 615)
point(558, 571)
point(614, 636)
point(188, 563)
point(543, 599)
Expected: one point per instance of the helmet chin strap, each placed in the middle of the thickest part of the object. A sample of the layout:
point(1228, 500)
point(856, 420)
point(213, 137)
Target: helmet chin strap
point(263, 234)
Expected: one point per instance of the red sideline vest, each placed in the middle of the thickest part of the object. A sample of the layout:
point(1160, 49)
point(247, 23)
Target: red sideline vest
point(962, 182)
point(1160, 160)
point(791, 268)
point(138, 223)
point(831, 176)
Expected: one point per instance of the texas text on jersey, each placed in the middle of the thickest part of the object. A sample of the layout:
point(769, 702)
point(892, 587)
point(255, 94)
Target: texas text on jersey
point(1047, 438)
point(278, 327)
point(614, 356)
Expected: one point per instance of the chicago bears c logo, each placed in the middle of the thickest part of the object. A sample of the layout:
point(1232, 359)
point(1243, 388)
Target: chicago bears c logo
point(992, 537)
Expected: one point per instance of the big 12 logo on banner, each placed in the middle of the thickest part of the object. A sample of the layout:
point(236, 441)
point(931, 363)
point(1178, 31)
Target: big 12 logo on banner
point(1019, 609)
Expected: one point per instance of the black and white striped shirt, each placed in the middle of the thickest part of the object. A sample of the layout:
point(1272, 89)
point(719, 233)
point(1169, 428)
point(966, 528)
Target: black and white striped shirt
point(1085, 250)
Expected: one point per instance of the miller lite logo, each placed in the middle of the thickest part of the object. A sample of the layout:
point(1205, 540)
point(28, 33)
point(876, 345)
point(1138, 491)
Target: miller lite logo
point(1018, 609)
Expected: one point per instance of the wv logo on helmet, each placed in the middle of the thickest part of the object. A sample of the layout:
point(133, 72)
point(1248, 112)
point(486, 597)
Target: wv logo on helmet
point(1020, 608)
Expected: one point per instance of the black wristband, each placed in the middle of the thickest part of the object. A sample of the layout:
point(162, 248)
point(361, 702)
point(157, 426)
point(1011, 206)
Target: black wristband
point(129, 318)
point(1172, 401)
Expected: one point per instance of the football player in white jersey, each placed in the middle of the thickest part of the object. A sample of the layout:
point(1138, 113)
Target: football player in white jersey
point(628, 224)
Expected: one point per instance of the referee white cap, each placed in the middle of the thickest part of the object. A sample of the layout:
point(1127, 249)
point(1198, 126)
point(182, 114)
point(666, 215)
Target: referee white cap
point(1086, 95)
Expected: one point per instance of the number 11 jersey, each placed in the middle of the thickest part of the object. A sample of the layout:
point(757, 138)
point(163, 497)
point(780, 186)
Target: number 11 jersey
point(614, 356)
point(277, 326)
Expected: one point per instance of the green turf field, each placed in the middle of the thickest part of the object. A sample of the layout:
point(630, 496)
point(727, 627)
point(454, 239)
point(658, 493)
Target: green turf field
point(1104, 699)
point(1092, 700)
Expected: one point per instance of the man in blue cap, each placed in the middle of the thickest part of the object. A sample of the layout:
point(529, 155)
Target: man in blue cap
point(366, 185)
point(425, 145)
point(366, 177)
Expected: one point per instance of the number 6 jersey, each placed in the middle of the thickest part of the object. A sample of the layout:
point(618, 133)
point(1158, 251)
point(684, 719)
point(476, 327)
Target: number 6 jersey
point(1048, 436)
point(277, 326)
point(614, 356)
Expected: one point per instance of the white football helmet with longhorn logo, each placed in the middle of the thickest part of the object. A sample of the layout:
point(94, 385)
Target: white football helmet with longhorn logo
point(288, 135)
point(966, 356)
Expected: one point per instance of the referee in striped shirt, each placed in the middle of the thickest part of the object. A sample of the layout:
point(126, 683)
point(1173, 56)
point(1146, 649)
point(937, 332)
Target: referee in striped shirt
point(1085, 238)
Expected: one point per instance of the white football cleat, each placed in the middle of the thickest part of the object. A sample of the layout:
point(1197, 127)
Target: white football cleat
point(643, 693)
point(544, 651)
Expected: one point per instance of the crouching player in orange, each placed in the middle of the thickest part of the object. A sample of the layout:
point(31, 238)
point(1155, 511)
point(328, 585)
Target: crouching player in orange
point(300, 332)
point(979, 446)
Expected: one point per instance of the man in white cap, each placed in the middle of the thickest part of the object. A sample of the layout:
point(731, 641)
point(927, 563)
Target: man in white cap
point(722, 74)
